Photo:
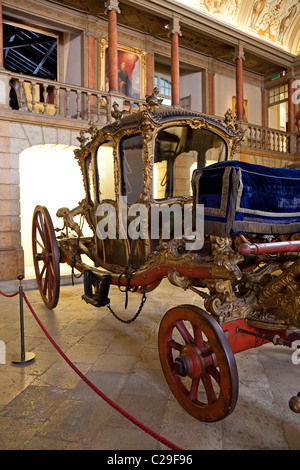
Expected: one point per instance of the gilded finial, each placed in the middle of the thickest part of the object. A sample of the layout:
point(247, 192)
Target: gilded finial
point(82, 139)
point(92, 129)
point(116, 113)
point(152, 100)
point(229, 120)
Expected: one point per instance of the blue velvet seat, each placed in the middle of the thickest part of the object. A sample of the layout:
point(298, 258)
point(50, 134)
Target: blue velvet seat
point(241, 197)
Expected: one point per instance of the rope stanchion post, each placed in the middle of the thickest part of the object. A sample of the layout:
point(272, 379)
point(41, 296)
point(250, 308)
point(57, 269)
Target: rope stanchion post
point(25, 356)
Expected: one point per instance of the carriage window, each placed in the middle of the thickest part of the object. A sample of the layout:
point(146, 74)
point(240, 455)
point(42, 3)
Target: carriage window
point(178, 151)
point(105, 162)
point(131, 152)
point(89, 177)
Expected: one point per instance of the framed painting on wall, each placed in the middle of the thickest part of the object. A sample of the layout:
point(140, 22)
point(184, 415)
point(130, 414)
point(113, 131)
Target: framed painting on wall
point(245, 108)
point(131, 70)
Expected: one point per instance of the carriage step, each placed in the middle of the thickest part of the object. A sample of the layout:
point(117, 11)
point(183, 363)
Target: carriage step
point(98, 299)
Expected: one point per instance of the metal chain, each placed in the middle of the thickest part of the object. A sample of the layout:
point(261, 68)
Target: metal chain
point(137, 313)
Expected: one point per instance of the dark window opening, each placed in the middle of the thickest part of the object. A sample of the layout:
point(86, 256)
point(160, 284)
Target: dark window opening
point(29, 52)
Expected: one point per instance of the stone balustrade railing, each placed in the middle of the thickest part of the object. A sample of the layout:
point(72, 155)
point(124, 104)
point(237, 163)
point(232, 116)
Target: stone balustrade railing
point(61, 100)
point(264, 138)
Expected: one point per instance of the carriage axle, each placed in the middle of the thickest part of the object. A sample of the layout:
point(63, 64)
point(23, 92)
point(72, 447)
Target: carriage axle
point(275, 339)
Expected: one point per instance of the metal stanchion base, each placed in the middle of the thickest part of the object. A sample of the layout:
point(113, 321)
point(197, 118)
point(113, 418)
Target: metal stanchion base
point(28, 356)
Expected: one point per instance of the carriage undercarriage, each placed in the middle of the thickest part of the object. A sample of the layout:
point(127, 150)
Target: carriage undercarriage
point(250, 293)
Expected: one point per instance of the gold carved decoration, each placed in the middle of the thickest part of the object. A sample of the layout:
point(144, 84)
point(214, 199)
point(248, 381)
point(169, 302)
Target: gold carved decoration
point(152, 100)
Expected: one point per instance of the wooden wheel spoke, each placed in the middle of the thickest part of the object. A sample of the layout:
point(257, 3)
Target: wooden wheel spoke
point(215, 373)
point(41, 228)
point(198, 336)
point(209, 389)
point(172, 344)
point(39, 243)
point(193, 393)
point(184, 332)
point(42, 272)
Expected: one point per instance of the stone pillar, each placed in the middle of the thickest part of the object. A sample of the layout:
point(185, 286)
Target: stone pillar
point(239, 57)
point(112, 8)
point(11, 252)
point(175, 71)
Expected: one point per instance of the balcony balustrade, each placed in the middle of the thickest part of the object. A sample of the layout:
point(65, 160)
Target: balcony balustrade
point(60, 100)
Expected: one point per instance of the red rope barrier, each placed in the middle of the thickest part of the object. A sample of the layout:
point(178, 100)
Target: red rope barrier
point(101, 394)
point(8, 295)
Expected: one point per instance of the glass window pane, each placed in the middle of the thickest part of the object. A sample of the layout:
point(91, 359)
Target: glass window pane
point(131, 153)
point(89, 174)
point(178, 151)
point(105, 161)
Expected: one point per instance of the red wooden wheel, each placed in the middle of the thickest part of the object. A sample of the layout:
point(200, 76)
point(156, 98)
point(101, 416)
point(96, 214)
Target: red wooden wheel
point(198, 363)
point(45, 256)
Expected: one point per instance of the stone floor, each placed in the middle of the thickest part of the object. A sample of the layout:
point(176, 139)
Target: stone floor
point(44, 404)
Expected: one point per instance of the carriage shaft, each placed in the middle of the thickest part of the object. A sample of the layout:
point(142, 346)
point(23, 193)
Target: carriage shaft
point(246, 249)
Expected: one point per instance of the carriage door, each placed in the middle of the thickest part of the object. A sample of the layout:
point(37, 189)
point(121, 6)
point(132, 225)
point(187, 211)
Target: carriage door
point(110, 250)
point(131, 159)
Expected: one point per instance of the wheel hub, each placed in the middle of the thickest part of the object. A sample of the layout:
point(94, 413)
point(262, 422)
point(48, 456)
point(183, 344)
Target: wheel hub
point(190, 362)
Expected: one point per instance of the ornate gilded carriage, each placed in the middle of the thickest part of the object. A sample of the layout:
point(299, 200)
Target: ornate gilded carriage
point(246, 270)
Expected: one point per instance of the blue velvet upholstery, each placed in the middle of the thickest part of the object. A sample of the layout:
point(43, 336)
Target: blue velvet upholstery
point(240, 197)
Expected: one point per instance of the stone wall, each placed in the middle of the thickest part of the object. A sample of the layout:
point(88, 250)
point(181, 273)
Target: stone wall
point(14, 138)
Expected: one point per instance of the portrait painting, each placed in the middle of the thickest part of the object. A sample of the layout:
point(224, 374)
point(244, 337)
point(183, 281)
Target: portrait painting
point(245, 108)
point(131, 70)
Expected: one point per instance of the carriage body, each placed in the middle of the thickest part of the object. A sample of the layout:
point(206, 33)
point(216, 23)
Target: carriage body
point(147, 163)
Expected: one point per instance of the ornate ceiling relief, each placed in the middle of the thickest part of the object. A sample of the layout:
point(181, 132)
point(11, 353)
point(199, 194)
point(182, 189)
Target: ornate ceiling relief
point(272, 19)
point(224, 9)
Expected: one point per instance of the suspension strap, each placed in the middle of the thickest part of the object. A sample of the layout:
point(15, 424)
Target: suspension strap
point(127, 273)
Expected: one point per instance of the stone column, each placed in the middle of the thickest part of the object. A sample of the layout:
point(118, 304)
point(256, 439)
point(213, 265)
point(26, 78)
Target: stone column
point(11, 252)
point(239, 57)
point(175, 71)
point(112, 8)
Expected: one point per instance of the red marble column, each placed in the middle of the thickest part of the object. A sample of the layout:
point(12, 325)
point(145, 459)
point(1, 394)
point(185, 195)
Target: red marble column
point(92, 67)
point(263, 107)
point(211, 93)
point(175, 70)
point(239, 88)
point(291, 110)
point(112, 8)
point(1, 38)
point(92, 62)
point(239, 57)
point(149, 74)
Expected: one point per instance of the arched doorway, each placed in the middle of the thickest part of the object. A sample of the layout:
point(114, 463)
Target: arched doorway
point(49, 176)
